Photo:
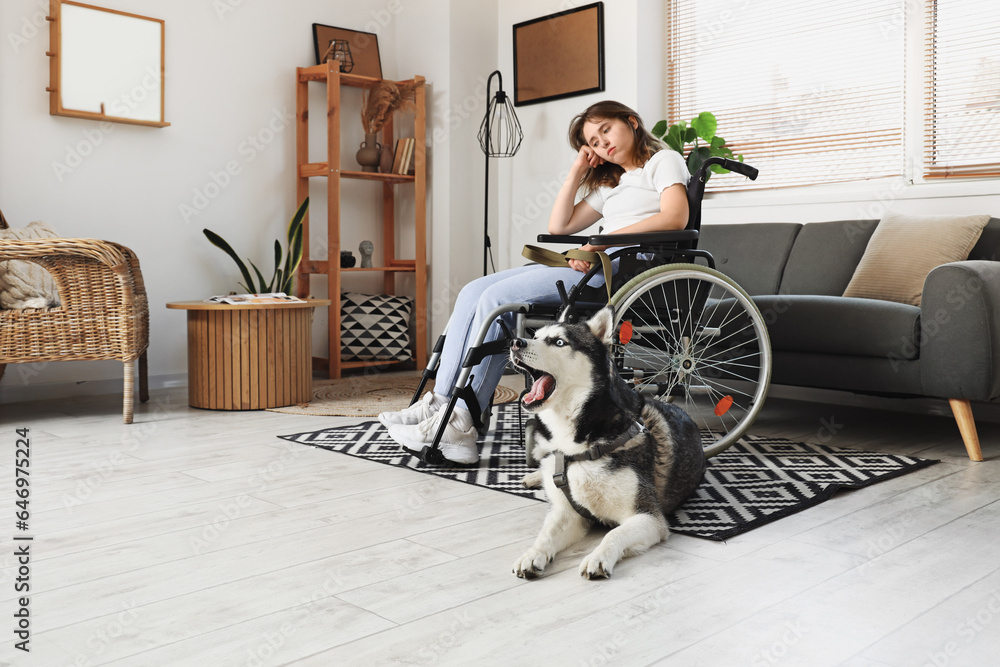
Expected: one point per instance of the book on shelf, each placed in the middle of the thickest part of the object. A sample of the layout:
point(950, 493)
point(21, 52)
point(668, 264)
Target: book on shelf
point(411, 144)
point(408, 165)
point(397, 156)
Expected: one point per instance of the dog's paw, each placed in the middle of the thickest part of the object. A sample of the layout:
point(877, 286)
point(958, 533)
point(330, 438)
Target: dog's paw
point(533, 480)
point(531, 564)
point(595, 566)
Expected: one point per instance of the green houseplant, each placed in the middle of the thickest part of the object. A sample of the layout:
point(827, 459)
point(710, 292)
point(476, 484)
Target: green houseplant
point(682, 133)
point(285, 264)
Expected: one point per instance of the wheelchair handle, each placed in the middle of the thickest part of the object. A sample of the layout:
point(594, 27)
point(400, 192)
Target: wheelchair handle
point(726, 163)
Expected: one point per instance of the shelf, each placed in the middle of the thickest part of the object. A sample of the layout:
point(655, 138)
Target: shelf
point(323, 169)
point(319, 267)
point(404, 269)
point(383, 228)
point(320, 73)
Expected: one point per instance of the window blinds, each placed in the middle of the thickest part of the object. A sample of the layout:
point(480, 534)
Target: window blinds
point(808, 92)
point(962, 89)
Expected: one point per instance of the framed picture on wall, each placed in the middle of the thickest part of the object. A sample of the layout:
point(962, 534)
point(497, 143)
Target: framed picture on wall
point(357, 51)
point(559, 55)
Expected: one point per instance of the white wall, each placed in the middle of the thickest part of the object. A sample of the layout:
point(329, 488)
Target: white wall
point(229, 82)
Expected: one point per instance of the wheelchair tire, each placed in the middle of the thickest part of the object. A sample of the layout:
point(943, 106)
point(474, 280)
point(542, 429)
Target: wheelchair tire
point(695, 337)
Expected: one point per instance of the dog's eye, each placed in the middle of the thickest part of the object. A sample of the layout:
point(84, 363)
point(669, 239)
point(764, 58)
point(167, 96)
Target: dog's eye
point(559, 342)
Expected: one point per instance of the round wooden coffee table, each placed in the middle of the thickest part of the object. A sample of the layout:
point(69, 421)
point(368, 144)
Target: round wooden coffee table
point(249, 356)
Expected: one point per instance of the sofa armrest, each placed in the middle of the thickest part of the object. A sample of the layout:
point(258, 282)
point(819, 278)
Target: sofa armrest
point(960, 331)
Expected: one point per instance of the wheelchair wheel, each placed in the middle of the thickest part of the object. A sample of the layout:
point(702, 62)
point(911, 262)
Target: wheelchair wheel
point(690, 335)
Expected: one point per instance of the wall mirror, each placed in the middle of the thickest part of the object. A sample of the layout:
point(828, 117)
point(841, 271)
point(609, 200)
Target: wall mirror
point(105, 64)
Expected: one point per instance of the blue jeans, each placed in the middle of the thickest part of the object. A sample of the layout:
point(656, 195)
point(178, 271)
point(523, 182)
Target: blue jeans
point(534, 284)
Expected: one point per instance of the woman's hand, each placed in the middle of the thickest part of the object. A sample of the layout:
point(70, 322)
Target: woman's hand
point(587, 157)
point(579, 264)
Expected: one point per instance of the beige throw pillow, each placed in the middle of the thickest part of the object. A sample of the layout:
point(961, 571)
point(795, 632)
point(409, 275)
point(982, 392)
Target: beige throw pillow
point(26, 284)
point(905, 248)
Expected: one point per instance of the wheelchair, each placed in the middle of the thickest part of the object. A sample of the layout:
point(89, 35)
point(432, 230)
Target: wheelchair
point(685, 333)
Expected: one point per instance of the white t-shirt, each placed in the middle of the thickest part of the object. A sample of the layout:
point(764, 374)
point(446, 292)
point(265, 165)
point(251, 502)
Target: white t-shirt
point(637, 195)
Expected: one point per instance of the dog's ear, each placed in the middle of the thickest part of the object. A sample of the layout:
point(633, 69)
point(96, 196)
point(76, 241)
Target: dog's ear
point(602, 324)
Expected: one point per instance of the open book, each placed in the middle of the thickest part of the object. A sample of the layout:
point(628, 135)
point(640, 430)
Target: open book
point(271, 297)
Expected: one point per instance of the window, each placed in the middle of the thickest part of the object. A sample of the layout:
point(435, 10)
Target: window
point(962, 89)
point(814, 92)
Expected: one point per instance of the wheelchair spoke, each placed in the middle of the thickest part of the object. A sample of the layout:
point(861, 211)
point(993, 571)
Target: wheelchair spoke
point(702, 339)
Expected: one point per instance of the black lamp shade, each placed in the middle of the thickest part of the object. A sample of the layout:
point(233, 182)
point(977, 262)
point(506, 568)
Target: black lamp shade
point(500, 133)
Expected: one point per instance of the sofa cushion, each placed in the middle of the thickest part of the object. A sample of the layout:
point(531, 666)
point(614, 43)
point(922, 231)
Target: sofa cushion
point(753, 255)
point(988, 245)
point(824, 256)
point(905, 248)
point(841, 325)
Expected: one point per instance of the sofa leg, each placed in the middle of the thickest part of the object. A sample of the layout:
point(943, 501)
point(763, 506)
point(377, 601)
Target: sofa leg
point(962, 410)
point(3, 367)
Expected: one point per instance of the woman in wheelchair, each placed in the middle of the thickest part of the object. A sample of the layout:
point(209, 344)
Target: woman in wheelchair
point(630, 182)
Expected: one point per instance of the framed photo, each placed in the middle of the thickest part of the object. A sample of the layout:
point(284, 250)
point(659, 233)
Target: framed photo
point(559, 55)
point(357, 50)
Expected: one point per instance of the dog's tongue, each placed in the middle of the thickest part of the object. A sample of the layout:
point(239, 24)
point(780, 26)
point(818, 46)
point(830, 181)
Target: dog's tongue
point(539, 388)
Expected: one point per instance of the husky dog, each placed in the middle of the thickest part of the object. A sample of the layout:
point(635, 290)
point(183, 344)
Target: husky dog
point(598, 462)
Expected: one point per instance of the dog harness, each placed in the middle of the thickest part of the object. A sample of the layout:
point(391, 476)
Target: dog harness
point(594, 453)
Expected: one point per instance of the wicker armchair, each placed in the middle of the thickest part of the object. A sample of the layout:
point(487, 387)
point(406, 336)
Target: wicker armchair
point(103, 314)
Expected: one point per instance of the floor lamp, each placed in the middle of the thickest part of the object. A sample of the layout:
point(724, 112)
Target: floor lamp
point(499, 136)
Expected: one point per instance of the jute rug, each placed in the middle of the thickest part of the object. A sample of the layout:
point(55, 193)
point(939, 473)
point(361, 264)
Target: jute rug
point(368, 395)
point(754, 482)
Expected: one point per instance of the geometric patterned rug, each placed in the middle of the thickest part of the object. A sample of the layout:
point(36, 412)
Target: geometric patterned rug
point(754, 482)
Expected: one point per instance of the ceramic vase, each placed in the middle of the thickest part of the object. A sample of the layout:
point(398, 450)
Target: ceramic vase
point(369, 154)
point(385, 165)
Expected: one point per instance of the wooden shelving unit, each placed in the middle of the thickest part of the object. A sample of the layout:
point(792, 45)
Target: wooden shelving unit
point(330, 75)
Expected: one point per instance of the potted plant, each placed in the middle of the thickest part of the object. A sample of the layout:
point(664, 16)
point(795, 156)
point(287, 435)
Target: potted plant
point(703, 128)
point(378, 104)
point(285, 263)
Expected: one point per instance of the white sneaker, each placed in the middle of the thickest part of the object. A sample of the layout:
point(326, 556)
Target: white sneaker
point(458, 444)
point(423, 409)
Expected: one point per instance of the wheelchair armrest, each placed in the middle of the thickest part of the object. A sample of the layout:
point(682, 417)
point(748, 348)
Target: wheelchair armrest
point(644, 238)
point(560, 238)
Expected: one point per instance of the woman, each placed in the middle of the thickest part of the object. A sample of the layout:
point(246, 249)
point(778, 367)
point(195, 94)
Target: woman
point(630, 183)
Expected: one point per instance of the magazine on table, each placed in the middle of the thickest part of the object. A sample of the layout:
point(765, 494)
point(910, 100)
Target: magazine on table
point(270, 297)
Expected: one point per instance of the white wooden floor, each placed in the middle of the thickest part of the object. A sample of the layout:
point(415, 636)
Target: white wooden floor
point(199, 538)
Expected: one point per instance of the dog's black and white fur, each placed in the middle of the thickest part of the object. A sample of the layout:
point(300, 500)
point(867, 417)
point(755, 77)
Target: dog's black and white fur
point(581, 401)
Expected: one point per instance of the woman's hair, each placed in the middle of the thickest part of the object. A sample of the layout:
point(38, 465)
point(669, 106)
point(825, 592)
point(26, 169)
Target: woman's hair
point(607, 174)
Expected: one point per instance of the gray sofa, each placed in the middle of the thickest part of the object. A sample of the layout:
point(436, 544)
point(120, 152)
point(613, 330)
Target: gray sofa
point(948, 347)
